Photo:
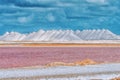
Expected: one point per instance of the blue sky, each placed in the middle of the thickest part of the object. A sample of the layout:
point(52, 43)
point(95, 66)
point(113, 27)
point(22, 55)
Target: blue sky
point(26, 16)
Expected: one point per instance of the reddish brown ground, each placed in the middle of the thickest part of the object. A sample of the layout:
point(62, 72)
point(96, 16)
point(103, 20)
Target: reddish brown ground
point(32, 56)
point(116, 78)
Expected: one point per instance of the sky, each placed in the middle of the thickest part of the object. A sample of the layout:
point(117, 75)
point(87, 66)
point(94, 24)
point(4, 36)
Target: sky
point(26, 16)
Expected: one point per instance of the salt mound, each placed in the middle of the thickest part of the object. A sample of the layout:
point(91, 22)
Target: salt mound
point(61, 35)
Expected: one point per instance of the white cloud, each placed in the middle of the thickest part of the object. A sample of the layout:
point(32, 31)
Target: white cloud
point(51, 17)
point(97, 1)
point(25, 19)
point(22, 19)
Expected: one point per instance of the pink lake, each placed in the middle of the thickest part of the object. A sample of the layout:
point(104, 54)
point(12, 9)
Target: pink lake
point(11, 57)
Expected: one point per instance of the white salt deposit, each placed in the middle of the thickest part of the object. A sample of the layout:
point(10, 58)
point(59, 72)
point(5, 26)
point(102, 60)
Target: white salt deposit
point(102, 71)
point(61, 35)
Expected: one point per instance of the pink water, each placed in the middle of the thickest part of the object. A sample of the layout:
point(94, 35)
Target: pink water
point(32, 56)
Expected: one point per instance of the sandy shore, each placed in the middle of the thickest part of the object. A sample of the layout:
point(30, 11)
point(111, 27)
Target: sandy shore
point(92, 43)
point(60, 45)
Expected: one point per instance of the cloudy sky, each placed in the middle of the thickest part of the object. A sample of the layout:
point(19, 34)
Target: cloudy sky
point(26, 16)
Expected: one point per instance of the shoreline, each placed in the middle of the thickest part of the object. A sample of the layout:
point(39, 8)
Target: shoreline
point(60, 45)
point(92, 43)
